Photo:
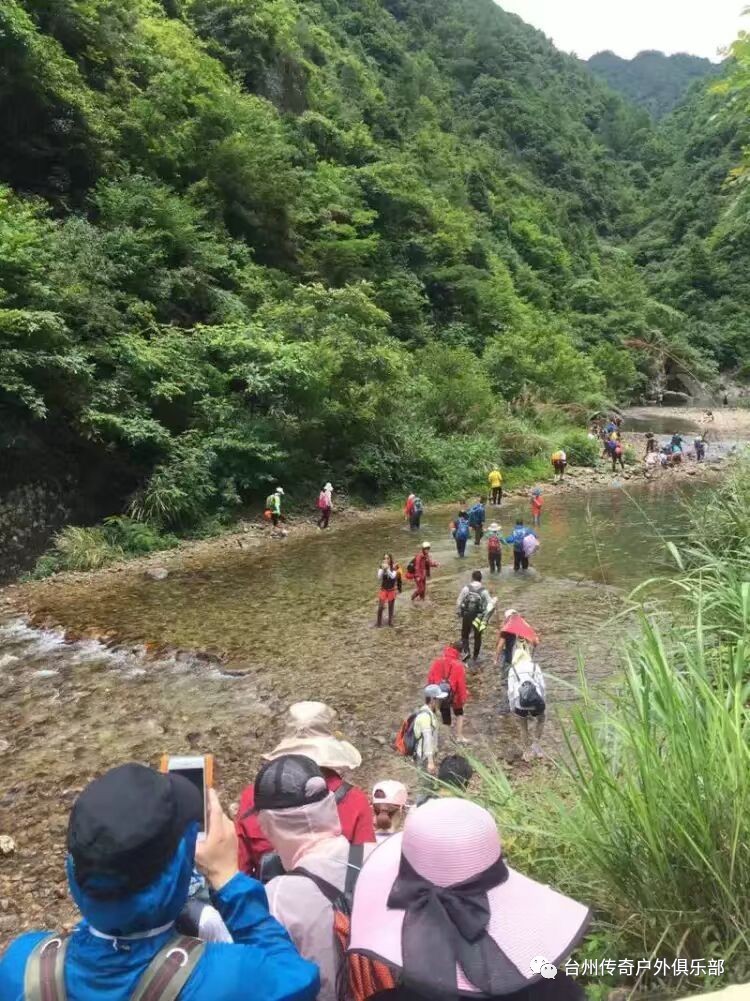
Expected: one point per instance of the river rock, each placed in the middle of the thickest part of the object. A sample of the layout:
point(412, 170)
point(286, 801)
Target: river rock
point(236, 670)
point(9, 923)
point(7, 844)
point(156, 573)
point(4, 745)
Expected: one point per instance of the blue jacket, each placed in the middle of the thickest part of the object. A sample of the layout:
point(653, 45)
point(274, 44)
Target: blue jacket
point(517, 536)
point(477, 516)
point(262, 963)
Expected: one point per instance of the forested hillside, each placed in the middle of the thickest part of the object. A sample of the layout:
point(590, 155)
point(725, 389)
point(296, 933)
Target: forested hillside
point(652, 80)
point(250, 239)
point(695, 246)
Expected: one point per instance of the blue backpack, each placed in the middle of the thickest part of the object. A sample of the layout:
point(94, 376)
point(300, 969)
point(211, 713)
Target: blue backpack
point(462, 530)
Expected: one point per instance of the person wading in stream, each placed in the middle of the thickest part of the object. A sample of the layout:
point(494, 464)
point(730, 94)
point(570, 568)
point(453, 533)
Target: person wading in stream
point(473, 603)
point(422, 564)
point(389, 580)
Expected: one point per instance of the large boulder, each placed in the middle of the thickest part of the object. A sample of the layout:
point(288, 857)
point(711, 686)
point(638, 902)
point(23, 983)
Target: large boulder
point(671, 398)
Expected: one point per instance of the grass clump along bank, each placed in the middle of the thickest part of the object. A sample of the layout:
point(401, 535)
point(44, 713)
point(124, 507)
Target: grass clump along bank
point(649, 818)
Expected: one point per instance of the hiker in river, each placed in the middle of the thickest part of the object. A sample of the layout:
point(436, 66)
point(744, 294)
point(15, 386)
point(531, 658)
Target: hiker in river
point(559, 463)
point(700, 448)
point(477, 515)
point(526, 697)
point(414, 510)
point(516, 539)
point(308, 730)
point(325, 505)
point(423, 564)
point(273, 504)
point(514, 627)
point(449, 673)
point(495, 480)
point(388, 580)
point(471, 607)
point(616, 454)
point(537, 502)
point(389, 799)
point(132, 843)
point(650, 442)
point(461, 532)
point(426, 729)
point(494, 548)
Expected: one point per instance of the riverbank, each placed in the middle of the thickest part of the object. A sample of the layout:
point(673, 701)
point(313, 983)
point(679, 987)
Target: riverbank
point(251, 533)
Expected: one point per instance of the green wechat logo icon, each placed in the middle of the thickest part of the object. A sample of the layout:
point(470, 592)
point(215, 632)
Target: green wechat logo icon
point(543, 967)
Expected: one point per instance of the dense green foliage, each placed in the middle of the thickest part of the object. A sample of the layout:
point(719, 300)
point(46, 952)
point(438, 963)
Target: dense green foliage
point(652, 80)
point(244, 240)
point(693, 247)
point(649, 814)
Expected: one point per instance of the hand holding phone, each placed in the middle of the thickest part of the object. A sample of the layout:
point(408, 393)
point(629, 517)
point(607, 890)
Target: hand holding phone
point(216, 855)
point(199, 770)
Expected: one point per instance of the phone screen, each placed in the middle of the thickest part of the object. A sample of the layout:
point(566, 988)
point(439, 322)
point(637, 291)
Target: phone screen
point(197, 777)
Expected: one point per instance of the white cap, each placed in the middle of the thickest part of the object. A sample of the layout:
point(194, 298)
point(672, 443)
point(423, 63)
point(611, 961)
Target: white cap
point(509, 612)
point(390, 792)
point(426, 545)
point(435, 692)
point(328, 486)
point(280, 490)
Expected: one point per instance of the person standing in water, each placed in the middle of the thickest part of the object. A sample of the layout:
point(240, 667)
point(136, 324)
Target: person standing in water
point(471, 607)
point(461, 532)
point(494, 548)
point(477, 516)
point(389, 580)
point(559, 463)
point(537, 502)
point(273, 504)
point(495, 480)
point(423, 564)
point(325, 505)
point(516, 539)
point(414, 510)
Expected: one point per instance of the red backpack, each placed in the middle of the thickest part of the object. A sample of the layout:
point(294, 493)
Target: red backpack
point(493, 543)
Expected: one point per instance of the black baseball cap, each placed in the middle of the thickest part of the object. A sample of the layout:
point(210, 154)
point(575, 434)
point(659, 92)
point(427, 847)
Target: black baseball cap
point(289, 781)
point(125, 827)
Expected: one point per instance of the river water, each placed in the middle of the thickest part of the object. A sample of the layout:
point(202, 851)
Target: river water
point(295, 619)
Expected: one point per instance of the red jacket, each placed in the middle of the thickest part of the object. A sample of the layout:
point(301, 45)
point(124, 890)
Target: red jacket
point(450, 668)
point(355, 814)
point(422, 564)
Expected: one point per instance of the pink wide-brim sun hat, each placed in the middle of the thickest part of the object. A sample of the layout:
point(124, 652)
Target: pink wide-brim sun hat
point(448, 841)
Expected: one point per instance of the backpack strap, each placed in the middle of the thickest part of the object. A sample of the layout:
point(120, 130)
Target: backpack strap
point(169, 970)
point(332, 893)
point(341, 793)
point(44, 978)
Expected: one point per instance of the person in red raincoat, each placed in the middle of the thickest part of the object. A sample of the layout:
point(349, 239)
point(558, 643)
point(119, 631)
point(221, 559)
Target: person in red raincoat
point(514, 626)
point(423, 563)
point(450, 668)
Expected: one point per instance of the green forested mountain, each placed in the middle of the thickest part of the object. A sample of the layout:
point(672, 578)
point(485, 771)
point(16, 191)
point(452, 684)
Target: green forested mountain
point(244, 239)
point(652, 80)
point(694, 248)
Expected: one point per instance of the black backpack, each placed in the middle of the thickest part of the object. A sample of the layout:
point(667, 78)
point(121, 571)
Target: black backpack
point(530, 698)
point(411, 566)
point(471, 606)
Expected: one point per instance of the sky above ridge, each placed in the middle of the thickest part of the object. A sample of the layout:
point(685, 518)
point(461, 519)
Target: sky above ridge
point(700, 27)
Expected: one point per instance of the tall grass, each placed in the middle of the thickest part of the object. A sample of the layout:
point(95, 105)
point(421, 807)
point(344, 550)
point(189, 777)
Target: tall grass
point(648, 819)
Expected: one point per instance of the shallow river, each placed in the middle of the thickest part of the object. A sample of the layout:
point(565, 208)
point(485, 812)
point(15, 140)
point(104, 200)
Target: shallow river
point(297, 617)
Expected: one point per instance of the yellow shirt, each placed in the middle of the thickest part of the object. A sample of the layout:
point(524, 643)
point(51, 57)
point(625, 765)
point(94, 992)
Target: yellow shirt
point(495, 478)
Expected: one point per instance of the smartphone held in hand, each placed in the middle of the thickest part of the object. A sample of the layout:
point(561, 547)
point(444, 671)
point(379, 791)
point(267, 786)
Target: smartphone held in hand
point(199, 770)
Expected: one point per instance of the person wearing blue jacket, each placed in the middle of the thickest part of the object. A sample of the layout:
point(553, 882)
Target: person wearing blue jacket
point(461, 533)
point(131, 847)
point(519, 533)
point(477, 516)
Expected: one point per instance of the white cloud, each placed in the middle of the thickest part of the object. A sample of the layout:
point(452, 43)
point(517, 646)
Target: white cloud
point(700, 27)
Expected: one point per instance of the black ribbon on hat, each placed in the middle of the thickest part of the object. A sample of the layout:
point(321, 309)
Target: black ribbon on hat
point(447, 925)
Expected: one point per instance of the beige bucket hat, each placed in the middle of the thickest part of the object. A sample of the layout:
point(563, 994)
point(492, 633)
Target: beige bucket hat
point(309, 730)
